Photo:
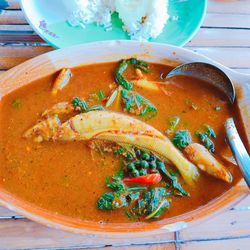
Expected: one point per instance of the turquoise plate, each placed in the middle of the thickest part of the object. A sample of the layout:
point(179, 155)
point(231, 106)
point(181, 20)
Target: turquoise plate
point(49, 20)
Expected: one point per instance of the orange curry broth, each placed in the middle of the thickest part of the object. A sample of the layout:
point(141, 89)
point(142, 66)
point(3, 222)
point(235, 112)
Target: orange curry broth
point(69, 177)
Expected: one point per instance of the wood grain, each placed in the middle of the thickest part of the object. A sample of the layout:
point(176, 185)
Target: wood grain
point(12, 17)
point(235, 244)
point(11, 56)
point(221, 38)
point(217, 20)
point(230, 57)
point(230, 224)
point(12, 4)
point(229, 7)
point(20, 234)
point(22, 28)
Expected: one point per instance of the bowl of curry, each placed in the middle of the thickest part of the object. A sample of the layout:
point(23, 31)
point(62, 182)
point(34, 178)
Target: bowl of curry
point(94, 138)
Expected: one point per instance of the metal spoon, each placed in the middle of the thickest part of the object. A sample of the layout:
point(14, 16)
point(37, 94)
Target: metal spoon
point(239, 151)
point(216, 77)
point(208, 73)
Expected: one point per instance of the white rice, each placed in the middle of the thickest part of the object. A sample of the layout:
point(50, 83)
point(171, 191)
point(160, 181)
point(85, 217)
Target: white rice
point(154, 13)
point(92, 11)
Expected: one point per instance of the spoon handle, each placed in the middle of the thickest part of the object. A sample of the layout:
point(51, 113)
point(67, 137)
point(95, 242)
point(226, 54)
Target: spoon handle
point(239, 151)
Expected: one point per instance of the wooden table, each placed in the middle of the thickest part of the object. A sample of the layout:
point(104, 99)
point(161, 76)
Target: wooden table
point(225, 37)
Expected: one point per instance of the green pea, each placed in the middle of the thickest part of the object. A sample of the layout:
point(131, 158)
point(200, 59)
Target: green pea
point(138, 152)
point(137, 163)
point(153, 164)
point(135, 173)
point(131, 166)
point(129, 157)
point(152, 158)
point(144, 164)
point(143, 171)
point(145, 156)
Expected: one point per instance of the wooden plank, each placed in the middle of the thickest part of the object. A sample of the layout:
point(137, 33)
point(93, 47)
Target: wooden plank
point(20, 28)
point(235, 244)
point(229, 6)
point(20, 234)
point(23, 51)
point(230, 57)
point(12, 17)
point(220, 38)
point(20, 38)
point(227, 20)
point(10, 4)
point(11, 56)
point(6, 213)
point(230, 224)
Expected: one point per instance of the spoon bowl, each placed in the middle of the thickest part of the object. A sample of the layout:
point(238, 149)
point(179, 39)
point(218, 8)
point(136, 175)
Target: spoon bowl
point(208, 73)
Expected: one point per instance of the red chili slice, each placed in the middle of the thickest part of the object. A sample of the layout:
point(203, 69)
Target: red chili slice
point(145, 179)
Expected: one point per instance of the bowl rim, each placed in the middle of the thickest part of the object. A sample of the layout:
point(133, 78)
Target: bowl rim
point(53, 61)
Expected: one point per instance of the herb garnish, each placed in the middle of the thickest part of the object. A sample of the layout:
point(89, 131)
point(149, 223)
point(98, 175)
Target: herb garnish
point(182, 139)
point(120, 79)
point(205, 138)
point(172, 178)
point(101, 94)
point(137, 104)
point(120, 197)
point(17, 103)
point(81, 106)
point(209, 131)
point(140, 201)
point(173, 122)
point(152, 203)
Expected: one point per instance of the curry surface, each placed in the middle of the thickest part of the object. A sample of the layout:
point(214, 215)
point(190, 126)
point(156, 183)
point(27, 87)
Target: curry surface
point(68, 178)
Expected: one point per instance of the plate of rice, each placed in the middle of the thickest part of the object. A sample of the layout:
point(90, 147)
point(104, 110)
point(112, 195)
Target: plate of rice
point(64, 23)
